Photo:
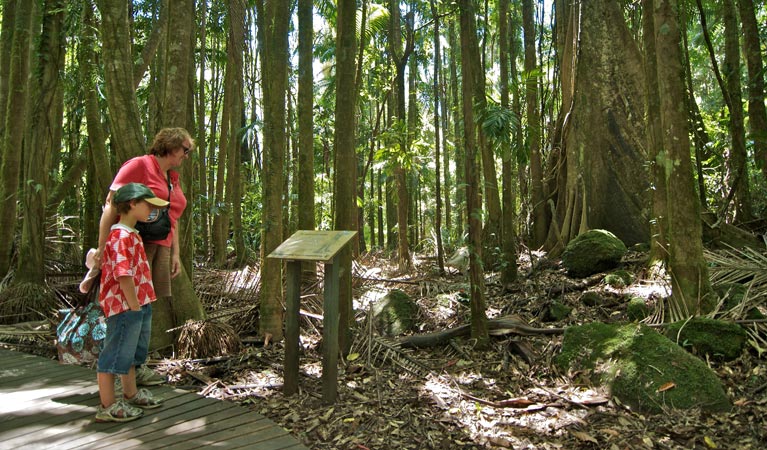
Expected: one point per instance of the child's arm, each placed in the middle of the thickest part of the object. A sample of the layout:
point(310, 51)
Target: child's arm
point(129, 290)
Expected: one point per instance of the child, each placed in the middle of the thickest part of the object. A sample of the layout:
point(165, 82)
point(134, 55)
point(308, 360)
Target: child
point(126, 296)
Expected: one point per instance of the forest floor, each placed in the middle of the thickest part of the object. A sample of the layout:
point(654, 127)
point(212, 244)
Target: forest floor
point(456, 396)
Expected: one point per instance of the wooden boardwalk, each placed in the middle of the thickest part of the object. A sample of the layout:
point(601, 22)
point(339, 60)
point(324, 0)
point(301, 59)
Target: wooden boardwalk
point(47, 405)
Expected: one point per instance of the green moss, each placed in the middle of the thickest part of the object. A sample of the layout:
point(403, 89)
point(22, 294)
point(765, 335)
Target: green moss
point(635, 361)
point(719, 340)
point(592, 252)
point(591, 298)
point(619, 278)
point(733, 295)
point(637, 309)
point(557, 311)
point(395, 313)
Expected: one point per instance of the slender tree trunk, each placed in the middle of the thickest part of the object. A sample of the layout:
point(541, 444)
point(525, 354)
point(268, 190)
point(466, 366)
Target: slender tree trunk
point(540, 217)
point(757, 113)
point(46, 125)
point(400, 57)
point(737, 166)
point(221, 215)
point(508, 242)
point(93, 114)
point(346, 161)
point(306, 125)
point(460, 189)
point(234, 162)
point(202, 145)
point(276, 15)
point(15, 119)
point(473, 205)
point(689, 276)
point(437, 101)
point(659, 224)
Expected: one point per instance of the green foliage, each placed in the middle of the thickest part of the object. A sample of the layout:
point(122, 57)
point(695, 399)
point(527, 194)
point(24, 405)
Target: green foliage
point(499, 125)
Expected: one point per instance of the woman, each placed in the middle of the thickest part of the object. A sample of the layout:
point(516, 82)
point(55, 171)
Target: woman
point(170, 148)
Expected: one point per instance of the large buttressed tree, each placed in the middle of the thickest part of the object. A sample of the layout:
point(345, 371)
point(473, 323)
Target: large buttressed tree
point(602, 178)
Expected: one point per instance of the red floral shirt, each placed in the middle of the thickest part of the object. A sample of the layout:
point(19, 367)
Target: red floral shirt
point(124, 256)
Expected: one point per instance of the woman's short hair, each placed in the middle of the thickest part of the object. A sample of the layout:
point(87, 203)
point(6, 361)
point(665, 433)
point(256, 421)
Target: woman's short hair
point(169, 139)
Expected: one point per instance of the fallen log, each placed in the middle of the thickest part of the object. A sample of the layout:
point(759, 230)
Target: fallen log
point(496, 327)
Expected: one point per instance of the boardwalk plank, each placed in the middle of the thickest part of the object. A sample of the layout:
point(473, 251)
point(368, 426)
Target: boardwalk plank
point(46, 405)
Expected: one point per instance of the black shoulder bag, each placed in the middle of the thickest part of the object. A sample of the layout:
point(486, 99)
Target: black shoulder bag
point(157, 227)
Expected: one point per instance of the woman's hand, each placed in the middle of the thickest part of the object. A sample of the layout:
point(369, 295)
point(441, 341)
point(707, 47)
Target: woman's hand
point(175, 265)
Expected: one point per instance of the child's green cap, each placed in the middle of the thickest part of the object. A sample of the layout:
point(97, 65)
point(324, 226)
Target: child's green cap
point(138, 191)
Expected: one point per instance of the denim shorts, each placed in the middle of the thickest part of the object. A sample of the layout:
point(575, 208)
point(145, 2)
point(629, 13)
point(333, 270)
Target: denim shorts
point(127, 341)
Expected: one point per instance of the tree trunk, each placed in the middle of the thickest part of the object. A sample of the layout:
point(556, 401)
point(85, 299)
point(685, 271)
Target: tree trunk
point(737, 167)
point(275, 77)
point(508, 243)
point(659, 223)
point(124, 118)
point(94, 118)
point(537, 196)
point(460, 190)
point(437, 101)
point(346, 160)
point(757, 114)
point(15, 119)
point(689, 276)
point(400, 57)
point(473, 204)
point(236, 122)
point(179, 39)
point(306, 125)
point(45, 125)
point(603, 181)
point(7, 23)
point(202, 145)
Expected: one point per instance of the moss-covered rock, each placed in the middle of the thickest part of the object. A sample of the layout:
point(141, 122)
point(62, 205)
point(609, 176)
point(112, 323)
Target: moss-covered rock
point(637, 309)
point(591, 298)
point(395, 313)
point(641, 367)
point(592, 252)
point(723, 341)
point(619, 279)
point(555, 312)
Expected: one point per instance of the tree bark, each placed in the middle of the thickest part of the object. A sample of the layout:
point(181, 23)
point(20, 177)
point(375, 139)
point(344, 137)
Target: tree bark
point(6, 43)
point(508, 243)
point(276, 15)
point(603, 181)
point(346, 160)
point(15, 118)
point(234, 160)
point(124, 118)
point(473, 204)
point(537, 196)
point(400, 57)
point(306, 219)
point(757, 113)
point(45, 126)
point(437, 101)
point(737, 167)
point(689, 276)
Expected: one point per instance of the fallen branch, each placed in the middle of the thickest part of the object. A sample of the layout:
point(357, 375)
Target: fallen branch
point(497, 327)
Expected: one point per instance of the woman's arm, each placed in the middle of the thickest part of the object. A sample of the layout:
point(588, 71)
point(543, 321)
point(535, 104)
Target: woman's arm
point(175, 254)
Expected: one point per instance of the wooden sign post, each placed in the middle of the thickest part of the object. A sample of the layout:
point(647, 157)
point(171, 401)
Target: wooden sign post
point(323, 246)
